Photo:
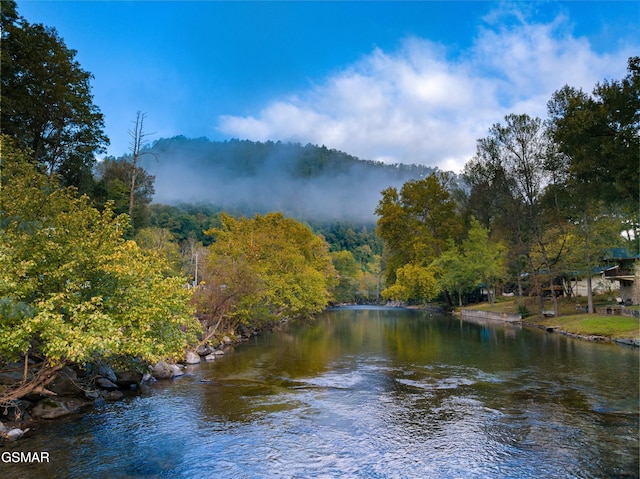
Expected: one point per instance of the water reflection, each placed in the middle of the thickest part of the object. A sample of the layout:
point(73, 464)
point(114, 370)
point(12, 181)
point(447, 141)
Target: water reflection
point(370, 393)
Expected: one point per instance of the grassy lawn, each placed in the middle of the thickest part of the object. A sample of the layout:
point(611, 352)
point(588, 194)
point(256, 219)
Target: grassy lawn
point(595, 325)
point(510, 306)
point(569, 320)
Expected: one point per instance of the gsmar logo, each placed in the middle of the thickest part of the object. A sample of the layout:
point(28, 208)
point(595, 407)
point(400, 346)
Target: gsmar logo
point(24, 457)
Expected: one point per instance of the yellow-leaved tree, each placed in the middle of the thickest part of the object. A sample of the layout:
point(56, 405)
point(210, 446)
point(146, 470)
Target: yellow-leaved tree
point(72, 289)
point(263, 269)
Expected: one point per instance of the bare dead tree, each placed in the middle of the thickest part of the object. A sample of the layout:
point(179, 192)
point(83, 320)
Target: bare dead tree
point(138, 142)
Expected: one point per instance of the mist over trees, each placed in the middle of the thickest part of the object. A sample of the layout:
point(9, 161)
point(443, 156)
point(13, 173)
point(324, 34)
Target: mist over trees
point(306, 182)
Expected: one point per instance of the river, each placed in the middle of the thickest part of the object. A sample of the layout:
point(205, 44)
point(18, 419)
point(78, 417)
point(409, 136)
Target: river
point(367, 393)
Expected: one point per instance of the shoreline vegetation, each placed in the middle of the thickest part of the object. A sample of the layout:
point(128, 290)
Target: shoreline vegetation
point(572, 320)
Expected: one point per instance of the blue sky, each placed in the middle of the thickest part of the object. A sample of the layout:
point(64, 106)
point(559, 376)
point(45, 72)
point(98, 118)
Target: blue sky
point(411, 82)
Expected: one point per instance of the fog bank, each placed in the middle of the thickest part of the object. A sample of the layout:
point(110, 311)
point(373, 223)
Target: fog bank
point(306, 182)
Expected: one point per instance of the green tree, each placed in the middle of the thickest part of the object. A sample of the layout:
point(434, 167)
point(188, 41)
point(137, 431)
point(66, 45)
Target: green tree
point(484, 259)
point(369, 282)
point(46, 102)
point(599, 136)
point(414, 283)
point(72, 290)
point(348, 271)
point(598, 143)
point(519, 149)
point(289, 268)
point(417, 223)
point(451, 272)
point(185, 221)
point(229, 294)
point(114, 183)
point(477, 262)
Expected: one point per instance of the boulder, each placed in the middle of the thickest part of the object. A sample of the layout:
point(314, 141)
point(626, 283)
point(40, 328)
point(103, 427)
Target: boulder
point(127, 379)
point(114, 395)
point(91, 394)
point(50, 408)
point(66, 383)
point(219, 352)
point(226, 340)
point(104, 383)
point(107, 372)
point(191, 358)
point(14, 434)
point(162, 371)
point(204, 350)
point(210, 357)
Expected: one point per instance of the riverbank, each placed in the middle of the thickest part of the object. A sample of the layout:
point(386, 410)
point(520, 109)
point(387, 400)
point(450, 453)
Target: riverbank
point(571, 321)
point(77, 388)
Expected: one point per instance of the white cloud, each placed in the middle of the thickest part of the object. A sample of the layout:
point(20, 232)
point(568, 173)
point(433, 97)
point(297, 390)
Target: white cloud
point(424, 104)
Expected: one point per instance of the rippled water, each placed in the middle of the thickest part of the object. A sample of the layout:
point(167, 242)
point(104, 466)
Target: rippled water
point(368, 393)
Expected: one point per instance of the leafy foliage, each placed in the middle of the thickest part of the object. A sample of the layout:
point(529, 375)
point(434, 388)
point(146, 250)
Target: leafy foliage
point(185, 221)
point(417, 222)
point(599, 136)
point(272, 267)
point(556, 194)
point(72, 289)
point(47, 106)
point(161, 242)
point(114, 184)
point(484, 259)
point(414, 283)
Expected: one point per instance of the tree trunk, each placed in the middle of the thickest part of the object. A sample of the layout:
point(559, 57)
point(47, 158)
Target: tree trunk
point(447, 297)
point(553, 296)
point(136, 143)
point(587, 243)
point(133, 187)
point(520, 291)
point(590, 309)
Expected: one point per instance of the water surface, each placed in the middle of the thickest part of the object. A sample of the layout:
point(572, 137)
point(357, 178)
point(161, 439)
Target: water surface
point(368, 393)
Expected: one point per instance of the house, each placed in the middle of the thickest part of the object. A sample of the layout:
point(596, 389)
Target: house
point(625, 268)
point(577, 282)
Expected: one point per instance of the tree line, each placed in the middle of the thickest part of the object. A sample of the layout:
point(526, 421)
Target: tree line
point(92, 271)
point(541, 199)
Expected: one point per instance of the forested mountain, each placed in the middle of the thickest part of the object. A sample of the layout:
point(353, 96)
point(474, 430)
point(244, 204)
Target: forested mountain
point(308, 182)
